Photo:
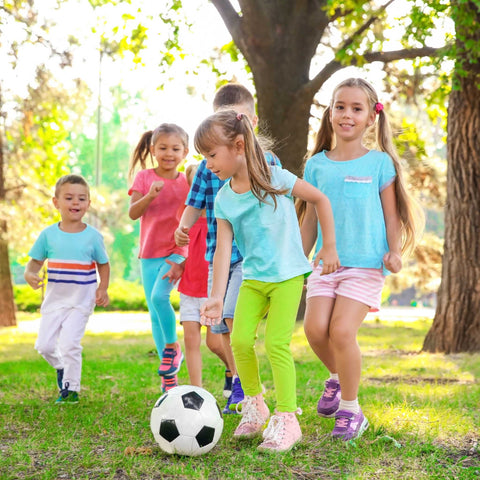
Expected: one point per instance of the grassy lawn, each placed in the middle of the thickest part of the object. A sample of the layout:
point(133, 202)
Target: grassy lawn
point(423, 411)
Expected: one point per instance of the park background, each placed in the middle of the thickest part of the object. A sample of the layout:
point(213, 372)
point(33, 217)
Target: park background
point(82, 80)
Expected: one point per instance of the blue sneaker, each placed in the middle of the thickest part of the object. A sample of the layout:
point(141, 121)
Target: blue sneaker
point(237, 395)
point(67, 396)
point(172, 359)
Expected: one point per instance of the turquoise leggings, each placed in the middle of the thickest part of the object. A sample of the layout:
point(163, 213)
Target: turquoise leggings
point(281, 301)
point(157, 293)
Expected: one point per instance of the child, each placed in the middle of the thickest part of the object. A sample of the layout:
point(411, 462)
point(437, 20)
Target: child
point(157, 198)
point(256, 207)
point(202, 195)
point(75, 252)
point(193, 292)
point(375, 221)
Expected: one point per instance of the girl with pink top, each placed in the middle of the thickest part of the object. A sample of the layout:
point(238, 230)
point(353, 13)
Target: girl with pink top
point(157, 197)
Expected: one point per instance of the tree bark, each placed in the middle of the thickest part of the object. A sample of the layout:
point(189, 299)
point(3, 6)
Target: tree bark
point(456, 325)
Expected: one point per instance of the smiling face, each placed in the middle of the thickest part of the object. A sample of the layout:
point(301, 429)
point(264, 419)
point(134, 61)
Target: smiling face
point(351, 114)
point(168, 150)
point(72, 201)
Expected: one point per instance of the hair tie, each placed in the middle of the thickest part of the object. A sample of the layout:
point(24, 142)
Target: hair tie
point(239, 116)
point(378, 107)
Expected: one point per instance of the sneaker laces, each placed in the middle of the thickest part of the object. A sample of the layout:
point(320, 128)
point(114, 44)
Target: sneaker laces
point(329, 392)
point(64, 390)
point(249, 410)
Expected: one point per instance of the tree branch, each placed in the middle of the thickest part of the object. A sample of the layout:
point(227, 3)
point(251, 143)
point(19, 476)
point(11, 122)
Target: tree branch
point(228, 14)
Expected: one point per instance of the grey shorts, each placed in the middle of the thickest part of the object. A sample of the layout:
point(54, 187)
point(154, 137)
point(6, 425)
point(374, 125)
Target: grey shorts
point(190, 308)
point(229, 302)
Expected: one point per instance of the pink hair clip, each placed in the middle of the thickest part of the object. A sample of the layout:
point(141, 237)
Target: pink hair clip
point(239, 116)
point(378, 107)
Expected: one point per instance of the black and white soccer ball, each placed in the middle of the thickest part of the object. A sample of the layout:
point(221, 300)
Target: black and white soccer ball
point(186, 420)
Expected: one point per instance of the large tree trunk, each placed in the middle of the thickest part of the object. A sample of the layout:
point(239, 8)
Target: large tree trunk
point(456, 326)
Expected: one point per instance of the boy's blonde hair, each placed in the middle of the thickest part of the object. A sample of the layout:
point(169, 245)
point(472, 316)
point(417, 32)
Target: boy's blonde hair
point(72, 179)
point(231, 124)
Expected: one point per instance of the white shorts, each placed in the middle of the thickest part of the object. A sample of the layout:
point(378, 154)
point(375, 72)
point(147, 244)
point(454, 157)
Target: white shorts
point(190, 308)
point(361, 284)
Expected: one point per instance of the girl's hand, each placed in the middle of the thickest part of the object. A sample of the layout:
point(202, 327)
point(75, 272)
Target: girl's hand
point(211, 311)
point(393, 262)
point(175, 272)
point(329, 258)
point(181, 236)
point(155, 188)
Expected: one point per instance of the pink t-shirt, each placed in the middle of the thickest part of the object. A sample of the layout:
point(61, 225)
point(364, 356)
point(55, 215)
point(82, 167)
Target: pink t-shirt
point(161, 218)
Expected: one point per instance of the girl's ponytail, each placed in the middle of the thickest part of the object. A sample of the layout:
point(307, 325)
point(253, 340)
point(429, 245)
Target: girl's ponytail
point(140, 154)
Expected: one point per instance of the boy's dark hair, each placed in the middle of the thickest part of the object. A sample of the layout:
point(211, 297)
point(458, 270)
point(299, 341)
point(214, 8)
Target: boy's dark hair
point(233, 94)
point(73, 179)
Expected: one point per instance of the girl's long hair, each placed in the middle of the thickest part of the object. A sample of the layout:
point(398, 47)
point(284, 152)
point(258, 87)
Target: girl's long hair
point(411, 214)
point(229, 125)
point(142, 153)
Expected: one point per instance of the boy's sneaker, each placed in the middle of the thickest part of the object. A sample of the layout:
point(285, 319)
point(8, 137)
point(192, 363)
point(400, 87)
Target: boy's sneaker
point(254, 415)
point(349, 425)
point(282, 433)
point(60, 378)
point(227, 386)
point(67, 396)
point(172, 359)
point(169, 382)
point(330, 399)
point(237, 395)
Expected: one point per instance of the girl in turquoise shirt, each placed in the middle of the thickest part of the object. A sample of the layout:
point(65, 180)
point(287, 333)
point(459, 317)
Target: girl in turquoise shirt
point(376, 221)
point(255, 206)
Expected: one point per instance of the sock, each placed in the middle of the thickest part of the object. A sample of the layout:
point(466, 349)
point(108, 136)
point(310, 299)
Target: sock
point(334, 376)
point(228, 373)
point(350, 405)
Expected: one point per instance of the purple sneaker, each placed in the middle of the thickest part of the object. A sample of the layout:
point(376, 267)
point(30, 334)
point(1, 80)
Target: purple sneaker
point(330, 399)
point(349, 425)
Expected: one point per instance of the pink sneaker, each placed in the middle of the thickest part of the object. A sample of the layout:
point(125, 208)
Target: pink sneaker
point(282, 433)
point(255, 413)
point(172, 359)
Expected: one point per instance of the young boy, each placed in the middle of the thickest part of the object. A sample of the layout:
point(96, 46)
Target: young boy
point(202, 195)
point(75, 252)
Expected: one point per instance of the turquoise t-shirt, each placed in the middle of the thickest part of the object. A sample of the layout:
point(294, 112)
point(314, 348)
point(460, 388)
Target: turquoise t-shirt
point(268, 238)
point(353, 188)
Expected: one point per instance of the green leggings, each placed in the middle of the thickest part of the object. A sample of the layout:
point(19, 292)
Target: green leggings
point(281, 301)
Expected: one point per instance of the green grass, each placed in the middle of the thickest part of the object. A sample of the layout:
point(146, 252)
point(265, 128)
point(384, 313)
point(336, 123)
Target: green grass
point(423, 411)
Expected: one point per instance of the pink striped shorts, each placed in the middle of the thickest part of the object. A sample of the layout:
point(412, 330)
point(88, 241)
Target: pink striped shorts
point(361, 284)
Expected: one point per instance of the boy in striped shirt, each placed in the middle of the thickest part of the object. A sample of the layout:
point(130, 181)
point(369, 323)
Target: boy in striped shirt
point(75, 252)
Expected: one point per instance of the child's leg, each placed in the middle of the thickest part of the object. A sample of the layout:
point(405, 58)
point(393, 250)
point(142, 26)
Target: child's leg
point(46, 344)
point(284, 300)
point(347, 317)
point(69, 342)
point(193, 339)
point(252, 304)
point(316, 325)
point(149, 270)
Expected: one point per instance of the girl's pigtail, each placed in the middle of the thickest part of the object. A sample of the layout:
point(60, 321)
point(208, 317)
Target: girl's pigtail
point(140, 154)
point(323, 141)
point(411, 214)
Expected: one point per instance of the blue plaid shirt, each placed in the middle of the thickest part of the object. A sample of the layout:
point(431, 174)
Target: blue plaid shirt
point(203, 191)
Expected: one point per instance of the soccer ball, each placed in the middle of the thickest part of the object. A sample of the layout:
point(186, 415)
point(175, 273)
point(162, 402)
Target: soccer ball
point(186, 420)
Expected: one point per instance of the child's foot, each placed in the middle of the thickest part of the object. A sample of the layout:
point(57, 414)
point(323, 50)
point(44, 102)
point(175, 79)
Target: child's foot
point(282, 433)
point(227, 387)
point(349, 425)
point(60, 378)
point(172, 359)
point(330, 399)
point(237, 395)
point(169, 382)
point(254, 415)
point(67, 396)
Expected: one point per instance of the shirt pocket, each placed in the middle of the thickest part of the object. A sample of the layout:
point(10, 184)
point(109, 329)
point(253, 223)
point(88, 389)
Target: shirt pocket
point(357, 187)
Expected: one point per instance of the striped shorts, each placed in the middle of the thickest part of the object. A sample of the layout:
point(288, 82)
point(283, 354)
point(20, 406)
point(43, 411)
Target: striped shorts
point(361, 284)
